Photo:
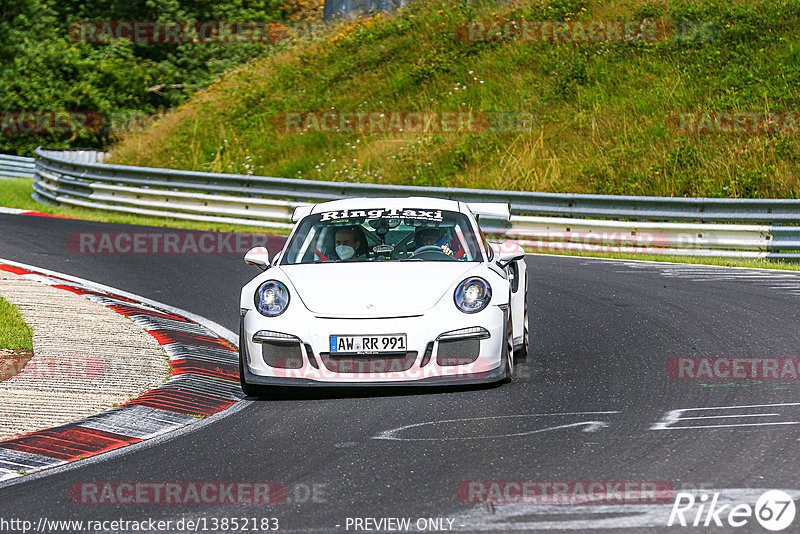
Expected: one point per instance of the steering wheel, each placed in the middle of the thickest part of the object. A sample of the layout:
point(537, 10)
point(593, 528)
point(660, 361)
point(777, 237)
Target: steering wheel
point(431, 252)
point(428, 248)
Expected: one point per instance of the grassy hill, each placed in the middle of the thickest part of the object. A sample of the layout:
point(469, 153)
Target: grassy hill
point(599, 112)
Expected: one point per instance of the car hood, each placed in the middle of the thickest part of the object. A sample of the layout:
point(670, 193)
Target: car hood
point(375, 289)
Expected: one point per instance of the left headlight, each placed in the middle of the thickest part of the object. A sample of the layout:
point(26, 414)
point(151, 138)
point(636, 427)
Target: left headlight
point(271, 298)
point(473, 295)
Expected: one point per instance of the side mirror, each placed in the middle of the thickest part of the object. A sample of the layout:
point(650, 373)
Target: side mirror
point(258, 256)
point(505, 258)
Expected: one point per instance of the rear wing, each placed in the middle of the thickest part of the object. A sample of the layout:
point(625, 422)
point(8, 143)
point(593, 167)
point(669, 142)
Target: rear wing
point(490, 210)
point(301, 211)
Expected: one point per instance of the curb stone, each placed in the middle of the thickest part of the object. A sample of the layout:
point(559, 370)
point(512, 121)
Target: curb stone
point(204, 381)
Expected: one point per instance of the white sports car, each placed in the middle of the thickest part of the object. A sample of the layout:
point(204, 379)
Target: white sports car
point(384, 291)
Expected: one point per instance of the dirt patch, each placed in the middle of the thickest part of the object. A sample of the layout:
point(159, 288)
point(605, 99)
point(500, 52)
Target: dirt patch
point(12, 361)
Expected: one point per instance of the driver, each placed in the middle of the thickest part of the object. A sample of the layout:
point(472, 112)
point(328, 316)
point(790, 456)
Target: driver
point(425, 237)
point(349, 241)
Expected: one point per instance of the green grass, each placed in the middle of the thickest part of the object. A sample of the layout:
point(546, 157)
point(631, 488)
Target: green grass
point(600, 110)
point(16, 193)
point(15, 334)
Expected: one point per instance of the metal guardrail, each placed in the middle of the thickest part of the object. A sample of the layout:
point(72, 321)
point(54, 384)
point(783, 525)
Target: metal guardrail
point(16, 167)
point(358, 8)
point(540, 220)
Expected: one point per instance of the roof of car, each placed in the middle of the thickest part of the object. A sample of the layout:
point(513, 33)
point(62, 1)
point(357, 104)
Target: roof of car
point(384, 202)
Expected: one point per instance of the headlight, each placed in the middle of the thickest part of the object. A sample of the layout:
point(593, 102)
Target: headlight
point(271, 298)
point(472, 295)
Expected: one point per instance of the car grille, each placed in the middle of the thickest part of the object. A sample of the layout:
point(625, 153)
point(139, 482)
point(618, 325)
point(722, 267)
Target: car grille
point(369, 363)
point(458, 351)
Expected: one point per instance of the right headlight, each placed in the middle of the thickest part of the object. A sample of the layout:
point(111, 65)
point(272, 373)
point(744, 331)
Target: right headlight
point(473, 295)
point(271, 298)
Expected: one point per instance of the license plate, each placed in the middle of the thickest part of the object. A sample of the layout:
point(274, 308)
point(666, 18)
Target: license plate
point(368, 344)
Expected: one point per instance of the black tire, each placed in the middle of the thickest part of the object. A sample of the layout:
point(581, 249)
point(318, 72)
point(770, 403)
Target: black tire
point(508, 349)
point(522, 352)
point(250, 390)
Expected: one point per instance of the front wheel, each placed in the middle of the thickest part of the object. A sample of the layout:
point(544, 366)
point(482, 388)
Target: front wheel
point(508, 350)
point(522, 352)
point(249, 390)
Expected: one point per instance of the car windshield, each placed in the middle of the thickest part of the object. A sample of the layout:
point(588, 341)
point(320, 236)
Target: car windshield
point(389, 234)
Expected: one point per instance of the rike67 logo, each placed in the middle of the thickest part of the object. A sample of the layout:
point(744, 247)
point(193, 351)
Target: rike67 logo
point(774, 510)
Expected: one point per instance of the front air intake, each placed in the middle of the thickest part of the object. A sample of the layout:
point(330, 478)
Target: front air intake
point(458, 351)
point(282, 354)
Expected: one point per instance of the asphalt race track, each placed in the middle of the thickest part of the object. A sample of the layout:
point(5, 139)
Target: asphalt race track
point(592, 402)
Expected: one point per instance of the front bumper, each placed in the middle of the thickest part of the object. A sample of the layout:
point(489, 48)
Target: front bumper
point(425, 363)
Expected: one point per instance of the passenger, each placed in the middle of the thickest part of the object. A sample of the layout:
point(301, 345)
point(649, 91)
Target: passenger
point(350, 243)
